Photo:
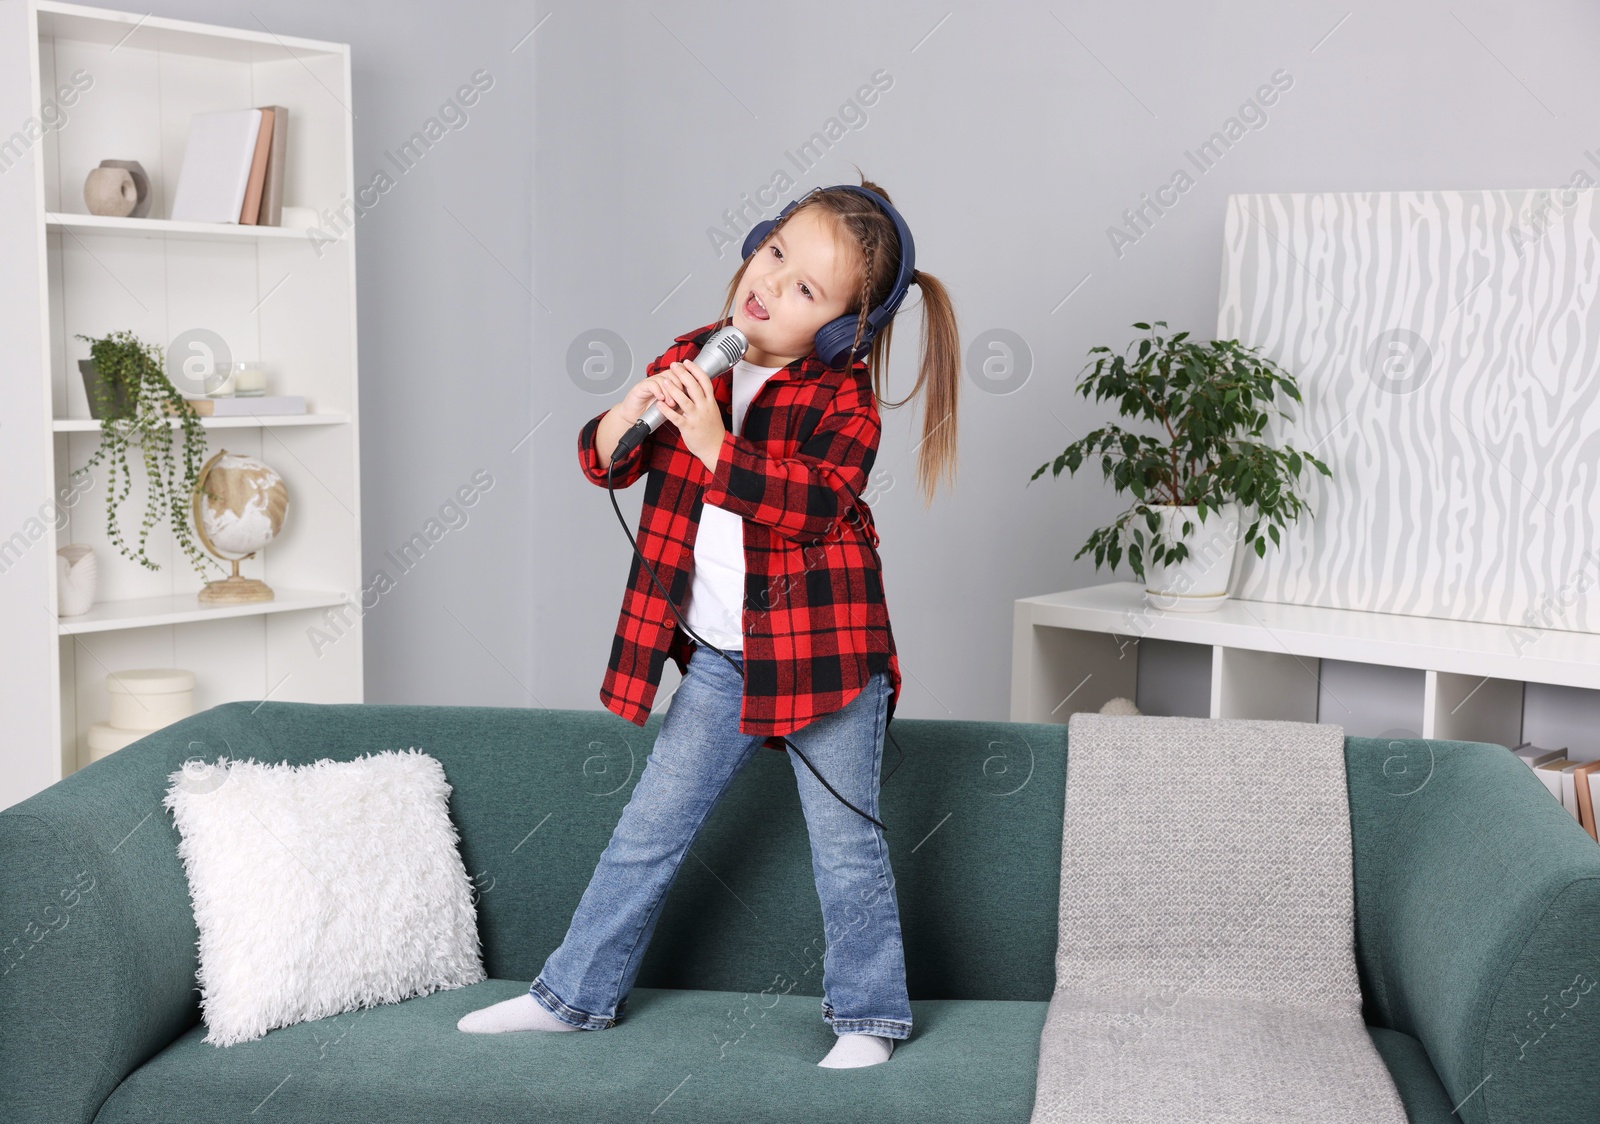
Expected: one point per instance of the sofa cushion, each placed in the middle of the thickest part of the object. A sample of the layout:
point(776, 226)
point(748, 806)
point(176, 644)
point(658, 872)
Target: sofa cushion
point(703, 1056)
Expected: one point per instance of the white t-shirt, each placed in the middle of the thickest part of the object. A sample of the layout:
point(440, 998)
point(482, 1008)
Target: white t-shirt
point(716, 588)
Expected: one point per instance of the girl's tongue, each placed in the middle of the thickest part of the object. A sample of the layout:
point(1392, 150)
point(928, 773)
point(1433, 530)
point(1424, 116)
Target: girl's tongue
point(754, 310)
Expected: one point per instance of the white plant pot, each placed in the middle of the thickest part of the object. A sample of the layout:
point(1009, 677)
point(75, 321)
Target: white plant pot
point(75, 579)
point(1200, 582)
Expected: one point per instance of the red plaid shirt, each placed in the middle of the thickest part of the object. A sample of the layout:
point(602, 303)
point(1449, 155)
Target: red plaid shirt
point(815, 622)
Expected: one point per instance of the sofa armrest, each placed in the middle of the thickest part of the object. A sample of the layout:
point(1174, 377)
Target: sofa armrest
point(1478, 924)
point(98, 943)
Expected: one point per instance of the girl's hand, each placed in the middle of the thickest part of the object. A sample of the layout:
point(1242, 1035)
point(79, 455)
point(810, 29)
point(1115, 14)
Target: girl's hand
point(639, 397)
point(691, 405)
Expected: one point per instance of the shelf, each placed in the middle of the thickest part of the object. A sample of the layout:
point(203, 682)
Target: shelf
point(259, 421)
point(146, 612)
point(144, 32)
point(163, 228)
point(1526, 654)
point(1374, 674)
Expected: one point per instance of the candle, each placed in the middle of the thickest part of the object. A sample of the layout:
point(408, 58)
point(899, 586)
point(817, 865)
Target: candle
point(250, 381)
point(225, 374)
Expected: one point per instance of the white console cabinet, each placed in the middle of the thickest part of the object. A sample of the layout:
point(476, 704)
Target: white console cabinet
point(1461, 680)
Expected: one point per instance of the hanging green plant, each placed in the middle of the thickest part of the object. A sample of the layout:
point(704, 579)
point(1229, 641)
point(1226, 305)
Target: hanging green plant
point(135, 402)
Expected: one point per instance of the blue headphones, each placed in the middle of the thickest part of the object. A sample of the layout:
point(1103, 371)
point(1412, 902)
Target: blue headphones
point(833, 338)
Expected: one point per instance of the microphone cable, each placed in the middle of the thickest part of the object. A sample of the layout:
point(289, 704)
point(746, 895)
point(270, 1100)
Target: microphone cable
point(611, 492)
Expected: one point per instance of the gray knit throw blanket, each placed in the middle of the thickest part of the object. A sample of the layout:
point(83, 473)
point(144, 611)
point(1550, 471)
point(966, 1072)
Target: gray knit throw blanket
point(1206, 965)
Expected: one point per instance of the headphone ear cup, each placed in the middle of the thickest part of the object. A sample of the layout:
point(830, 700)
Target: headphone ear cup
point(833, 339)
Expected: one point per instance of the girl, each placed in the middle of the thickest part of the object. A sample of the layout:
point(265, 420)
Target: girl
point(754, 519)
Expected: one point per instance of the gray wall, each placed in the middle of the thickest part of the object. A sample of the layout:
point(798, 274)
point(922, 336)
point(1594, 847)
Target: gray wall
point(448, 383)
point(1013, 137)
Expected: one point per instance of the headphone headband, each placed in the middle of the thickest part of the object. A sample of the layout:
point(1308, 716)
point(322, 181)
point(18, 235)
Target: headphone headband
point(834, 338)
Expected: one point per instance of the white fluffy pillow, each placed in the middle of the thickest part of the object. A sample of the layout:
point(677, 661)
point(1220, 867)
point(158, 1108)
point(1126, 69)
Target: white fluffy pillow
point(321, 888)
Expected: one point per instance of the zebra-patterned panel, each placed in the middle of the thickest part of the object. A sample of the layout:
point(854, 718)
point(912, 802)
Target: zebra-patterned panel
point(1445, 343)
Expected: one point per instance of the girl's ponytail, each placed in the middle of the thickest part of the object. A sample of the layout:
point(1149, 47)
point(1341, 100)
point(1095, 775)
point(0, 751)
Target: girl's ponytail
point(940, 368)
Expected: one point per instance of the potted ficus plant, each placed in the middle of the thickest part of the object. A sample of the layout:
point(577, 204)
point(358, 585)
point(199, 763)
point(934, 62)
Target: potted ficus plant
point(1203, 467)
point(130, 394)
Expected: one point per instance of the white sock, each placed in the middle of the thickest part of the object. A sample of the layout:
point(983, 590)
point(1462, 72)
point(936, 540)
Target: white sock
point(855, 1050)
point(521, 1013)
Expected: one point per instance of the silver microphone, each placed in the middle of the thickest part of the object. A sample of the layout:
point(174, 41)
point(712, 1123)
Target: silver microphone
point(722, 349)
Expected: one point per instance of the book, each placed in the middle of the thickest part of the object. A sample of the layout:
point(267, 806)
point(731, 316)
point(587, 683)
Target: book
point(258, 171)
point(1594, 799)
point(271, 213)
point(1532, 755)
point(1549, 775)
point(248, 407)
point(216, 166)
point(1583, 784)
point(1569, 787)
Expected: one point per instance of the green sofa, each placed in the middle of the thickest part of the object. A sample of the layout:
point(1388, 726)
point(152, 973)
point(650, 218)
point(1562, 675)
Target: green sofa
point(1477, 901)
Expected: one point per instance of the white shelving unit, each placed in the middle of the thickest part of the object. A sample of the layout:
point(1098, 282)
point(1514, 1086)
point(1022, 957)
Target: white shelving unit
point(133, 81)
point(1074, 651)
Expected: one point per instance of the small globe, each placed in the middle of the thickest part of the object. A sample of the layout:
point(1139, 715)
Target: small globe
point(239, 505)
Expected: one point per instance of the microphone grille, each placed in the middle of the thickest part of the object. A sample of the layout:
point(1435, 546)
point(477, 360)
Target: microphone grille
point(722, 349)
point(733, 343)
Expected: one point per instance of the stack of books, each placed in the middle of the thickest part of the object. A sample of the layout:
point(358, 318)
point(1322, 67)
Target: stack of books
point(233, 167)
point(1576, 784)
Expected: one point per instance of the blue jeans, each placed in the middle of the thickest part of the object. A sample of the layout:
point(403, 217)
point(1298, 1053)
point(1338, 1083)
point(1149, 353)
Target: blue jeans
point(586, 981)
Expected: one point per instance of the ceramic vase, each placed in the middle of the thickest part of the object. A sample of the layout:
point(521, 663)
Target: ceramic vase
point(141, 185)
point(110, 191)
point(76, 572)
